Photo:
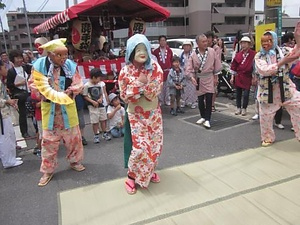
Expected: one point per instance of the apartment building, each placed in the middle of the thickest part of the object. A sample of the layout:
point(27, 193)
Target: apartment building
point(188, 18)
point(191, 17)
point(17, 37)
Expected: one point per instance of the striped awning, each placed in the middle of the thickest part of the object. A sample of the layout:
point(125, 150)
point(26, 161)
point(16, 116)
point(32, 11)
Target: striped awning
point(145, 9)
point(59, 18)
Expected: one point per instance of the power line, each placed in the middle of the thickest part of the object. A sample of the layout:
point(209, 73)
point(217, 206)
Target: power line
point(44, 5)
point(38, 9)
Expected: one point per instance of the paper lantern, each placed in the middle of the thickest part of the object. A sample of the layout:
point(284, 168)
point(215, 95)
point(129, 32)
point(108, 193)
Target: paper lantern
point(136, 26)
point(81, 34)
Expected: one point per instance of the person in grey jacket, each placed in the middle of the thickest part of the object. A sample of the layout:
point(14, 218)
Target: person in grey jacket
point(176, 83)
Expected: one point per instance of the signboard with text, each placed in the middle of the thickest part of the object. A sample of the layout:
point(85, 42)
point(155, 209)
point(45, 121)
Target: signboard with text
point(273, 3)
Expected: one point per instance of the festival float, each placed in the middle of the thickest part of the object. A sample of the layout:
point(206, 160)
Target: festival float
point(92, 20)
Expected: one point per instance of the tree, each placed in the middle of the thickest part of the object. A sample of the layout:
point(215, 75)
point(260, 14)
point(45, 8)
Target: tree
point(2, 5)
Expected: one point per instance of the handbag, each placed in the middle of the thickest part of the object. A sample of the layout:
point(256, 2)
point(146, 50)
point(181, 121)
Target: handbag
point(20, 94)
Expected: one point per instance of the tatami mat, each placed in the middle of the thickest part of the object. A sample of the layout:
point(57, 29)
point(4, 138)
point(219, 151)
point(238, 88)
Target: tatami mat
point(256, 186)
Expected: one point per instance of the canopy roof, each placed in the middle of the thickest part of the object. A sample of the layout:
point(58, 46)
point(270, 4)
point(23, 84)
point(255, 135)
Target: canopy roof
point(148, 10)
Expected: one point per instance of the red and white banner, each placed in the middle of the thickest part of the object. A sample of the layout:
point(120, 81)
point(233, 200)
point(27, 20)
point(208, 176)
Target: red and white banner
point(112, 66)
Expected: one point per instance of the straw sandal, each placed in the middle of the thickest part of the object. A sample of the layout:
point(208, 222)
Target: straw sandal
point(45, 179)
point(77, 167)
point(266, 144)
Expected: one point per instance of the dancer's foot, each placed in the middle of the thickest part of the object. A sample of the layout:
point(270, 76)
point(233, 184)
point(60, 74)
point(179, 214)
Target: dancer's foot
point(155, 178)
point(130, 186)
point(45, 179)
point(266, 144)
point(77, 167)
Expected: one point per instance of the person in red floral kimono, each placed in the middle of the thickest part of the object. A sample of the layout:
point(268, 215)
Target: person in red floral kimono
point(140, 84)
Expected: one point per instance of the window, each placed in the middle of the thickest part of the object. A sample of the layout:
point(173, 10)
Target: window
point(235, 20)
point(13, 38)
point(10, 18)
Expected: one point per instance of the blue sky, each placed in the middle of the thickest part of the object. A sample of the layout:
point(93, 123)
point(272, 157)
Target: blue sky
point(291, 6)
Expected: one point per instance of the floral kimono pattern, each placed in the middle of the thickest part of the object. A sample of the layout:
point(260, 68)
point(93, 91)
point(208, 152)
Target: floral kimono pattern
point(266, 66)
point(145, 120)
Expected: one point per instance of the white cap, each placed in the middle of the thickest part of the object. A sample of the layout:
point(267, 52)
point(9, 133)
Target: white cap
point(245, 39)
point(187, 43)
point(112, 96)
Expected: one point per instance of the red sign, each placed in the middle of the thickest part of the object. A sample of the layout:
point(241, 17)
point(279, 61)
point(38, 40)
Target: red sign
point(113, 66)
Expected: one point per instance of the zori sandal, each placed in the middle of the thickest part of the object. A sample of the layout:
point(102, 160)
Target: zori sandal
point(155, 178)
point(130, 186)
point(266, 144)
point(77, 167)
point(45, 179)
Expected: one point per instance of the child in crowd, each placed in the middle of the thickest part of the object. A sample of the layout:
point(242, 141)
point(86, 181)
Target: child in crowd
point(176, 82)
point(93, 93)
point(38, 118)
point(7, 133)
point(80, 112)
point(115, 114)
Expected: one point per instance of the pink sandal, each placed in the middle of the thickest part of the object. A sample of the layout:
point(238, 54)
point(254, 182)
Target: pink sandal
point(155, 178)
point(130, 186)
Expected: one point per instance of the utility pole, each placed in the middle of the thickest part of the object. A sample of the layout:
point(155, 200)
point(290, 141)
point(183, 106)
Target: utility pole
point(3, 33)
point(67, 4)
point(75, 2)
point(27, 24)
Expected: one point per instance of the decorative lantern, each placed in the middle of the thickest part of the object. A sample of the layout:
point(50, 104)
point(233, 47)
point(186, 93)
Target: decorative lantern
point(81, 34)
point(136, 26)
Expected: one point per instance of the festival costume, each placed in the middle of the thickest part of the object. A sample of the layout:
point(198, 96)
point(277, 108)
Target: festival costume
point(275, 91)
point(7, 133)
point(144, 113)
point(164, 59)
point(189, 96)
point(204, 68)
point(242, 69)
point(59, 121)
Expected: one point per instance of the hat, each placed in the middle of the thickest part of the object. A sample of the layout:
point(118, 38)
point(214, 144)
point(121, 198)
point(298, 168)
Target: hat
point(54, 44)
point(245, 39)
point(187, 43)
point(112, 96)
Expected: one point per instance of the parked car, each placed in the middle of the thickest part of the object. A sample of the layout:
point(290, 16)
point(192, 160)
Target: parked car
point(175, 44)
point(229, 50)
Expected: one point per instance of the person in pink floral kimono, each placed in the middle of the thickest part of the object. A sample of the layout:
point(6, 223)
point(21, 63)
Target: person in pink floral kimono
point(275, 89)
point(59, 121)
point(140, 83)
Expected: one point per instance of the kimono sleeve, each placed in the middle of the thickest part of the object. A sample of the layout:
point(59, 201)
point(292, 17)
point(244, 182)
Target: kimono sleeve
point(170, 81)
point(217, 64)
point(263, 68)
point(234, 65)
point(130, 87)
point(189, 67)
point(77, 84)
point(153, 88)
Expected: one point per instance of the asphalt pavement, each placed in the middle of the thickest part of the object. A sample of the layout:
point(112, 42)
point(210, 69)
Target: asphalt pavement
point(23, 202)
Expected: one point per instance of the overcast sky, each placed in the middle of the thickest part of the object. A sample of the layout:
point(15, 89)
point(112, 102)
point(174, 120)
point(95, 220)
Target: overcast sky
point(292, 7)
